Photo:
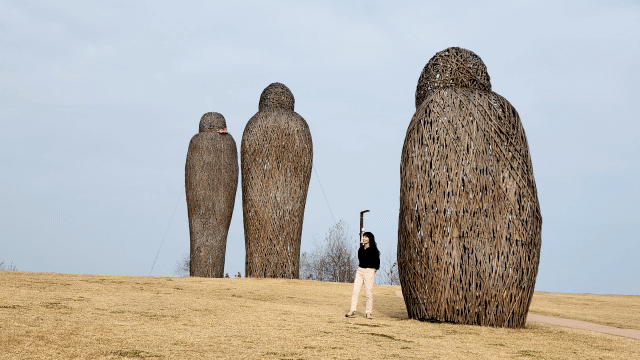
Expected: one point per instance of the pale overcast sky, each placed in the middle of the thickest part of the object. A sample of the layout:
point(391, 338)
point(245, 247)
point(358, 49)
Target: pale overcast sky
point(99, 99)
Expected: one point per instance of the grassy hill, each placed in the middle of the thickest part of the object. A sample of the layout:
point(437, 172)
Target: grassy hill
point(106, 317)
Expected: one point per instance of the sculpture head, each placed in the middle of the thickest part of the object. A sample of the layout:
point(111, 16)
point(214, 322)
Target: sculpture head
point(212, 122)
point(278, 96)
point(453, 66)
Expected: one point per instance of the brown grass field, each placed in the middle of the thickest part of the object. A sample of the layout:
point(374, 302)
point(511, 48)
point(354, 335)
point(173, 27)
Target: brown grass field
point(58, 316)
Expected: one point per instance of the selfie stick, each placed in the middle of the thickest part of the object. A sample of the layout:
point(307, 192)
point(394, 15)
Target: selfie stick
point(362, 223)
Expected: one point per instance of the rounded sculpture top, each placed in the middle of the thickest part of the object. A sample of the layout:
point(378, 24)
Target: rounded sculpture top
point(212, 121)
point(453, 66)
point(276, 95)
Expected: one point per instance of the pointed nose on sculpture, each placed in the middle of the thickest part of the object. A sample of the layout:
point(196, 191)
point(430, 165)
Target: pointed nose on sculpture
point(212, 121)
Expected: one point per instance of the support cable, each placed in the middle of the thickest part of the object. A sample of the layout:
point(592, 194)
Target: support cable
point(325, 196)
point(165, 232)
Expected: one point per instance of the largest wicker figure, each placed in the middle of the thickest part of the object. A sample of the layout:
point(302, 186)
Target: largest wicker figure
point(469, 224)
point(276, 159)
point(211, 180)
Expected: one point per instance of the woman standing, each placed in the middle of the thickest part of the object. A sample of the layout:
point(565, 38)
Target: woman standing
point(369, 263)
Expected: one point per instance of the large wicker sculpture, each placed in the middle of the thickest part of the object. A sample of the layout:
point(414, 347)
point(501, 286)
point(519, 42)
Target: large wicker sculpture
point(469, 224)
point(276, 155)
point(211, 180)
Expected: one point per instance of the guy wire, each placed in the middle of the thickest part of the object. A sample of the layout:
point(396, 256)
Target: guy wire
point(166, 231)
point(325, 196)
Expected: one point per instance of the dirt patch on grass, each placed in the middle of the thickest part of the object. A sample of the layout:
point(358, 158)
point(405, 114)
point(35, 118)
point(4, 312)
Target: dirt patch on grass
point(576, 324)
point(610, 310)
point(604, 309)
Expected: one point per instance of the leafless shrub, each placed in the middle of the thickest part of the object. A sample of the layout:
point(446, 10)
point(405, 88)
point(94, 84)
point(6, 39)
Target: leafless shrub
point(334, 260)
point(11, 266)
point(389, 271)
point(183, 267)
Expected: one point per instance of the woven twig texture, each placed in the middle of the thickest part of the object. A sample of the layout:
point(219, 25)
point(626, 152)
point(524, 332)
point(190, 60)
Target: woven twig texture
point(211, 180)
point(452, 67)
point(469, 225)
point(276, 157)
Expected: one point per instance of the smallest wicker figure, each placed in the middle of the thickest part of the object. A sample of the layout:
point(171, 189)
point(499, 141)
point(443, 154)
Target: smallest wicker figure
point(211, 180)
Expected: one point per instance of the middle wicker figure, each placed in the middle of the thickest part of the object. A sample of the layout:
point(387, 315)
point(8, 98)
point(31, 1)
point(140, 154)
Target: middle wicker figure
point(276, 157)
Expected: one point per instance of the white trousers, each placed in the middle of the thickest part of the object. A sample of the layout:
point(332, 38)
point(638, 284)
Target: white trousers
point(368, 277)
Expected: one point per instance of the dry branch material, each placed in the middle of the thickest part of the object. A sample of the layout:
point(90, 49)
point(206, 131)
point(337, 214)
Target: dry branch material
point(452, 67)
point(469, 225)
point(276, 157)
point(211, 180)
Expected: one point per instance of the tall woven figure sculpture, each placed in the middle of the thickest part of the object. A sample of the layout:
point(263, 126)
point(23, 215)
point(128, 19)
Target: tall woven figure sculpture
point(211, 181)
point(469, 225)
point(276, 158)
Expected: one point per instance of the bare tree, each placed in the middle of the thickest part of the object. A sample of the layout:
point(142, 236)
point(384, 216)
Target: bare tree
point(183, 267)
point(334, 260)
point(389, 271)
point(11, 267)
point(307, 265)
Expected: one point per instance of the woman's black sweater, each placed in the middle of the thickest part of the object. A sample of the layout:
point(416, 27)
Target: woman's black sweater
point(369, 258)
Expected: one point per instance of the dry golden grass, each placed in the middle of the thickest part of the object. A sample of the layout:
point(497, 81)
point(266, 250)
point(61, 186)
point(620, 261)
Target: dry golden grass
point(44, 316)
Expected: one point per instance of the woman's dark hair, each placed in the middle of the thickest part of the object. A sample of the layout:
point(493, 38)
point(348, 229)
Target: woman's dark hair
point(372, 241)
